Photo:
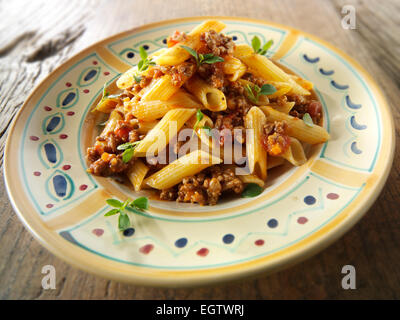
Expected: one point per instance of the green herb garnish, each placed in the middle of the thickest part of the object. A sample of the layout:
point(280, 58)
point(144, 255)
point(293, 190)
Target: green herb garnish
point(129, 150)
point(199, 117)
point(143, 64)
point(308, 120)
point(256, 44)
point(254, 92)
point(251, 190)
point(208, 58)
point(119, 207)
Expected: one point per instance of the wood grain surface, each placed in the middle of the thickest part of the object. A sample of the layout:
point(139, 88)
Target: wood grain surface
point(37, 36)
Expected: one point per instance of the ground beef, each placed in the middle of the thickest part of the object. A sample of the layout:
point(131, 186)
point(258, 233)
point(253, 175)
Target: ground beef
point(305, 105)
point(275, 139)
point(229, 126)
point(176, 37)
point(104, 157)
point(213, 74)
point(108, 165)
point(205, 187)
point(236, 98)
point(217, 43)
point(254, 79)
point(181, 72)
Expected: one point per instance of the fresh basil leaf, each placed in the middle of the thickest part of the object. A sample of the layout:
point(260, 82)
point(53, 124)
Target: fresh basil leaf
point(250, 94)
point(266, 47)
point(256, 43)
point(111, 212)
point(123, 221)
point(208, 56)
point(199, 115)
point(114, 203)
point(143, 53)
point(191, 51)
point(267, 89)
point(308, 120)
point(140, 203)
point(127, 155)
point(127, 145)
point(137, 78)
point(251, 190)
point(140, 65)
point(213, 59)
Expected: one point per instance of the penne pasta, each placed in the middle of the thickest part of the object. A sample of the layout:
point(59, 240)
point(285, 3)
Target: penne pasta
point(211, 98)
point(297, 127)
point(295, 153)
point(205, 117)
point(234, 68)
point(265, 68)
point(137, 173)
point(158, 137)
point(257, 156)
point(155, 109)
point(159, 89)
point(185, 166)
point(176, 54)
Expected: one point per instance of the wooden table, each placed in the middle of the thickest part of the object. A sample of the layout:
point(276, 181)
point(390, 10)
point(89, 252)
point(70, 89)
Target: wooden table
point(37, 36)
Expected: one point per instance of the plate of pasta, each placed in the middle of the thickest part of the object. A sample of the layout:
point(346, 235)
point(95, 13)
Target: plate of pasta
point(198, 150)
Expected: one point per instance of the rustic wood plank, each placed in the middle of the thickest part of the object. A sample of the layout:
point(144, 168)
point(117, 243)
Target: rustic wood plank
point(49, 32)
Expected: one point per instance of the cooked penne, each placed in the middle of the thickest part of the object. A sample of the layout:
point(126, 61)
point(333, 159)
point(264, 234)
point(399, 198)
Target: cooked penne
point(155, 109)
point(257, 156)
point(159, 89)
point(158, 137)
point(297, 128)
point(136, 174)
point(212, 98)
point(265, 68)
point(185, 166)
point(252, 178)
point(176, 55)
point(274, 162)
point(204, 118)
point(234, 68)
point(295, 153)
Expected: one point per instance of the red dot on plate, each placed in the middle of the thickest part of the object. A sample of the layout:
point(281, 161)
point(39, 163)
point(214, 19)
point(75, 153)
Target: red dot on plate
point(49, 205)
point(83, 187)
point(332, 196)
point(86, 91)
point(98, 232)
point(47, 108)
point(70, 113)
point(34, 138)
point(37, 173)
point(68, 84)
point(259, 242)
point(66, 167)
point(94, 62)
point(302, 220)
point(106, 73)
point(146, 248)
point(63, 136)
point(203, 252)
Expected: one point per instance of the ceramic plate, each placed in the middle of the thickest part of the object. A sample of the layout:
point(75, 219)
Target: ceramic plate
point(301, 211)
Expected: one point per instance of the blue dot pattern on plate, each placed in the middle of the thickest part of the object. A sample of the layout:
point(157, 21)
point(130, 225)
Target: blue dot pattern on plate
point(180, 243)
point(272, 223)
point(228, 238)
point(130, 55)
point(310, 200)
point(129, 232)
